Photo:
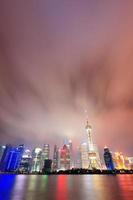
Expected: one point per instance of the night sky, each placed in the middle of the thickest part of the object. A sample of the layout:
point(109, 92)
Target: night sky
point(59, 59)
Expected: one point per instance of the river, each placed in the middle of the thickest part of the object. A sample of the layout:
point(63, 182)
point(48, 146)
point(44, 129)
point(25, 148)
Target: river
point(66, 187)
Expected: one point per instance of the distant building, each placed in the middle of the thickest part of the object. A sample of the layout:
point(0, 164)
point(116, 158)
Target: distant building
point(78, 163)
point(45, 154)
point(108, 159)
point(37, 160)
point(130, 160)
point(119, 160)
point(64, 158)
point(47, 166)
point(11, 158)
point(84, 156)
point(2, 149)
point(25, 164)
point(55, 158)
point(70, 147)
point(46, 151)
point(5, 158)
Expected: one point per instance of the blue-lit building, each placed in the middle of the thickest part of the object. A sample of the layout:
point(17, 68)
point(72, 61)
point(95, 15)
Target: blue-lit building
point(2, 149)
point(11, 158)
point(108, 159)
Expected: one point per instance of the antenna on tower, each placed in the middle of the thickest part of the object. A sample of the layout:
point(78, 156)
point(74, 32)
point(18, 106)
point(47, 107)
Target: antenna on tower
point(86, 113)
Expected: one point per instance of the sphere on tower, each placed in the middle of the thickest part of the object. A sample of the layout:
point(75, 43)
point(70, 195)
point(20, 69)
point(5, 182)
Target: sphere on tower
point(88, 127)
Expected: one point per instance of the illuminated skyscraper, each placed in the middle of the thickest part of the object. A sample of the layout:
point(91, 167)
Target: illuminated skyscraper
point(84, 156)
point(55, 158)
point(130, 160)
point(11, 158)
point(69, 145)
point(119, 160)
point(46, 151)
point(64, 158)
point(45, 154)
point(5, 158)
point(93, 154)
point(108, 159)
point(36, 160)
point(2, 149)
point(25, 164)
point(78, 163)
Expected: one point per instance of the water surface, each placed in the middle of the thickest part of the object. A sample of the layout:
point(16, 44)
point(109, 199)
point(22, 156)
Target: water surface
point(66, 187)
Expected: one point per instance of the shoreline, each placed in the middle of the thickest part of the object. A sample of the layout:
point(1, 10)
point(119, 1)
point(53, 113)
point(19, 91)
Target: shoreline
point(74, 172)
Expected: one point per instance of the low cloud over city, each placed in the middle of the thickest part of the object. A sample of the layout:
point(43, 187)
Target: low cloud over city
point(62, 62)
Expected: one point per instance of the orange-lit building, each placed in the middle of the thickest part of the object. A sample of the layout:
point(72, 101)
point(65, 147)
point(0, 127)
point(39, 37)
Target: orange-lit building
point(119, 160)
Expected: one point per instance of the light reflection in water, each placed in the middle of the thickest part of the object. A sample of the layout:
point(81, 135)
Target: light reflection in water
point(108, 188)
point(6, 186)
point(66, 187)
point(19, 187)
point(126, 186)
point(62, 187)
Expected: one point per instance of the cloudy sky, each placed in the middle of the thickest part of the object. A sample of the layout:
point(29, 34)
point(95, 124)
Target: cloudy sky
point(61, 62)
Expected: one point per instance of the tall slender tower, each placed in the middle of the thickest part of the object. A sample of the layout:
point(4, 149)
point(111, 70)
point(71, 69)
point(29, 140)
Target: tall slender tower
point(55, 158)
point(93, 154)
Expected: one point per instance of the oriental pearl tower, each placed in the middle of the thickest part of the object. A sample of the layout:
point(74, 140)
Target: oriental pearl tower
point(93, 154)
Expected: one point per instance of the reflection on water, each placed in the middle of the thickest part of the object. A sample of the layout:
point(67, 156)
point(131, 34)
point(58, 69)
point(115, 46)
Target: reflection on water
point(66, 187)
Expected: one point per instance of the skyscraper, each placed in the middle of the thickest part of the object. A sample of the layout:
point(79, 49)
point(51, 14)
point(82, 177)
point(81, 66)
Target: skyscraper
point(47, 166)
point(84, 156)
point(119, 160)
point(130, 160)
point(78, 163)
point(69, 145)
point(108, 159)
point(55, 158)
point(2, 149)
point(5, 158)
point(64, 158)
point(11, 158)
point(93, 154)
point(25, 164)
point(45, 154)
point(36, 160)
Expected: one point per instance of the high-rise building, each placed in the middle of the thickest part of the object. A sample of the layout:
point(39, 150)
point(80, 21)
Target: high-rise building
point(5, 158)
point(2, 149)
point(119, 160)
point(130, 160)
point(108, 159)
point(47, 166)
point(25, 164)
point(84, 156)
point(46, 151)
point(11, 158)
point(64, 158)
point(93, 154)
point(69, 145)
point(78, 163)
point(45, 154)
point(37, 160)
point(55, 158)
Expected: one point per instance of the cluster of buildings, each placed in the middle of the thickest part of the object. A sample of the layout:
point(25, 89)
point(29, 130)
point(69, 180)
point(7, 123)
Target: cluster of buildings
point(20, 159)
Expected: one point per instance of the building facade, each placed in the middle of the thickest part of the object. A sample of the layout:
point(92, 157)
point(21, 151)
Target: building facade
point(108, 159)
point(64, 158)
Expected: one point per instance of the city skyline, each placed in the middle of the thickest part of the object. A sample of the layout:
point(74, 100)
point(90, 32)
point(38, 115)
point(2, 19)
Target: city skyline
point(61, 158)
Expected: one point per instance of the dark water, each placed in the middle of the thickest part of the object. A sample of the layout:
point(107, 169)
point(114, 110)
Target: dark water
point(66, 187)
